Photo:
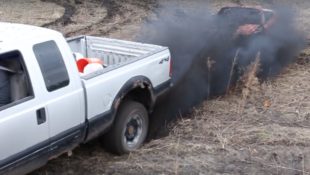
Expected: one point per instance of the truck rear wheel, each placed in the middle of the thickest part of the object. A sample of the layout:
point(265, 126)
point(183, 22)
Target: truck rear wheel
point(129, 130)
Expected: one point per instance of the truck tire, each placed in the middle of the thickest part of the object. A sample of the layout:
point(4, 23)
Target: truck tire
point(129, 129)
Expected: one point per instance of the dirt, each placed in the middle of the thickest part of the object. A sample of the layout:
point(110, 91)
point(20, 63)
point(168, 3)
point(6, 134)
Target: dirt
point(29, 12)
point(264, 132)
point(101, 18)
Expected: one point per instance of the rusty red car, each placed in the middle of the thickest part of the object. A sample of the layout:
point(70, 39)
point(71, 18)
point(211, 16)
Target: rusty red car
point(247, 21)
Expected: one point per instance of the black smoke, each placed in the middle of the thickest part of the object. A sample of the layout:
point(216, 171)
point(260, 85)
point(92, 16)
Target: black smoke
point(203, 53)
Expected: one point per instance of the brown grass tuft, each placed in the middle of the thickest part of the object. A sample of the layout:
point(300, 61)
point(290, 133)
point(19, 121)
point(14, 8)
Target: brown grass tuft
point(249, 81)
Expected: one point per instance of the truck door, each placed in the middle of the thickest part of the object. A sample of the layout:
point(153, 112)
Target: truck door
point(23, 123)
point(64, 95)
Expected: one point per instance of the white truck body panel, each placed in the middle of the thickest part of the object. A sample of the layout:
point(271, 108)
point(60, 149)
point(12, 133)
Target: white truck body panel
point(66, 106)
point(124, 60)
point(102, 90)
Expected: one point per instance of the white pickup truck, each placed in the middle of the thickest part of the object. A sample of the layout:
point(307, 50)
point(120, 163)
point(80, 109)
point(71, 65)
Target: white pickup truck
point(53, 107)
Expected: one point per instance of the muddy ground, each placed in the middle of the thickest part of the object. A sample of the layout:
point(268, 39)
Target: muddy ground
point(265, 132)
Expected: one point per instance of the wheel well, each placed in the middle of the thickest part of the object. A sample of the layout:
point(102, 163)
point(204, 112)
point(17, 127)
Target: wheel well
point(141, 95)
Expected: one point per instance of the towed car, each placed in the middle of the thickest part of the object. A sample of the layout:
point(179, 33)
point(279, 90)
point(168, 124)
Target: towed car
point(245, 22)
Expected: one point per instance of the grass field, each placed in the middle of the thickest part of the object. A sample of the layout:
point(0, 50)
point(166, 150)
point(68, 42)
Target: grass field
point(258, 128)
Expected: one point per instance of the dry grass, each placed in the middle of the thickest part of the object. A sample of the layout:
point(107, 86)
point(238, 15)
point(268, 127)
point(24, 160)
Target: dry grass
point(249, 81)
point(264, 129)
point(233, 65)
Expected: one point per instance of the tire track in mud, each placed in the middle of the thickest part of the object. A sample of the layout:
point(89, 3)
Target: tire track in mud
point(116, 9)
point(119, 13)
point(113, 9)
point(66, 17)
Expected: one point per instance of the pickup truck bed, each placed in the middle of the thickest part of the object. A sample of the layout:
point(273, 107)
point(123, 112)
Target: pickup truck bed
point(114, 53)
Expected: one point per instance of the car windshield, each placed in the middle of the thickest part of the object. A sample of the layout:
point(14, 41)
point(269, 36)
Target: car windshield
point(241, 15)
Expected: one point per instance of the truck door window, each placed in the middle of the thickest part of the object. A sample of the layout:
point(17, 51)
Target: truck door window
point(52, 65)
point(14, 80)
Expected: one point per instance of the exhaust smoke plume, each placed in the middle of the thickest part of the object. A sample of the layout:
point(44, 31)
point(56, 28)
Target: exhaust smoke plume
point(207, 60)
